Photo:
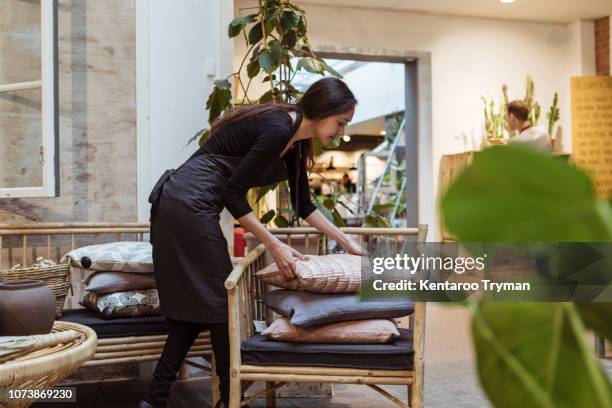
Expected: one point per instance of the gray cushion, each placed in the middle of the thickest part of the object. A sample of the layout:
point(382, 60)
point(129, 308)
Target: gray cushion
point(307, 309)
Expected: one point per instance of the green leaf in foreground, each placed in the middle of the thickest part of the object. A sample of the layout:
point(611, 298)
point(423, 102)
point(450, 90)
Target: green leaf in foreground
point(518, 194)
point(543, 363)
point(598, 317)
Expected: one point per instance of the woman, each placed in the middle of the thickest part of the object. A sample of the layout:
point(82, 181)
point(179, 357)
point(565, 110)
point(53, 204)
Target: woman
point(251, 146)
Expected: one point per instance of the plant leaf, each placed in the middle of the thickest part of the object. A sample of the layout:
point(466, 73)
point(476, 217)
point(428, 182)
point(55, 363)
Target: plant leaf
point(332, 71)
point(281, 221)
point(596, 316)
point(338, 220)
point(205, 136)
point(527, 196)
point(276, 53)
point(239, 23)
point(253, 68)
point(547, 359)
point(345, 206)
point(218, 101)
point(311, 64)
point(289, 39)
point(266, 61)
point(289, 20)
point(329, 203)
point(269, 24)
point(267, 217)
point(383, 207)
point(334, 144)
point(195, 137)
point(266, 97)
point(255, 34)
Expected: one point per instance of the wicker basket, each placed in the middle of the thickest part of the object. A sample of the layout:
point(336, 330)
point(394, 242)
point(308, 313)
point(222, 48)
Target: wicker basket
point(56, 277)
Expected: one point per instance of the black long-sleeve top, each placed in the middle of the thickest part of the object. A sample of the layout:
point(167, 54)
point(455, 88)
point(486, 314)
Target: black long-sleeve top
point(260, 141)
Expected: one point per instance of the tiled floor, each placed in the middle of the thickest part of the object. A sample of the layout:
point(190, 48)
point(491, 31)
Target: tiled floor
point(450, 378)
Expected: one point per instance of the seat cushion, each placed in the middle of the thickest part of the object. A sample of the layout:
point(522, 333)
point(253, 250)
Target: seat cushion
point(119, 327)
point(397, 355)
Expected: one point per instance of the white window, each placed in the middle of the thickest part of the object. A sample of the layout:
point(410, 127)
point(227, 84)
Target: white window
point(28, 118)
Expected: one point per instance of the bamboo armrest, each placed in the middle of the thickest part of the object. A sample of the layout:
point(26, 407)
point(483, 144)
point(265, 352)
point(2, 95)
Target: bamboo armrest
point(236, 274)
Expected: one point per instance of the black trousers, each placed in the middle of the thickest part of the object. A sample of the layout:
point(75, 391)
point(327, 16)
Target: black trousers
point(181, 336)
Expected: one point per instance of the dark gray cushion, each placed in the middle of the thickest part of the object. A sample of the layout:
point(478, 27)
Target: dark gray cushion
point(119, 327)
point(307, 309)
point(397, 355)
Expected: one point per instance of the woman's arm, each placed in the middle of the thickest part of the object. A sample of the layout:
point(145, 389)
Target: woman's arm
point(283, 254)
point(320, 222)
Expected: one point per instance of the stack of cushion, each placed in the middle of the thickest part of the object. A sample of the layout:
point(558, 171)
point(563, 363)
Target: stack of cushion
point(320, 304)
point(119, 279)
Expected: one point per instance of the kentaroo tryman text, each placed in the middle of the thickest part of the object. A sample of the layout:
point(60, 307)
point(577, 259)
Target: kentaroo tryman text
point(427, 285)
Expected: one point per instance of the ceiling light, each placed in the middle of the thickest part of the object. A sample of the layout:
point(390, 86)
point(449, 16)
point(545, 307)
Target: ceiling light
point(346, 138)
point(382, 133)
point(506, 1)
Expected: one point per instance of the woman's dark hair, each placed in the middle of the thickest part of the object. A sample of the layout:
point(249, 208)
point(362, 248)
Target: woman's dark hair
point(326, 97)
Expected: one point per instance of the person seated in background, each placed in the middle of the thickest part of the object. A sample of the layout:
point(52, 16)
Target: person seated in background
point(517, 119)
point(347, 184)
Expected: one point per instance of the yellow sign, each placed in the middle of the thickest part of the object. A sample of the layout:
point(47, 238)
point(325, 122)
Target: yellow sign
point(592, 129)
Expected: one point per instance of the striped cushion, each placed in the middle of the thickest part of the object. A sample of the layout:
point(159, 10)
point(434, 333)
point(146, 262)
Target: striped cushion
point(335, 273)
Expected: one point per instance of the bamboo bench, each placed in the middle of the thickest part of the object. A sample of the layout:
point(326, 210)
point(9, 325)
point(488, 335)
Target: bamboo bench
point(24, 243)
point(245, 304)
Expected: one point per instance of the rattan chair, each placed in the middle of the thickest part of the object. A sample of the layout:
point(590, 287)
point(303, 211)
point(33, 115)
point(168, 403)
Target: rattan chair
point(23, 243)
point(245, 304)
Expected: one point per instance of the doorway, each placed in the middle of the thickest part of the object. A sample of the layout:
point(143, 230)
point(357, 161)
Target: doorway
point(389, 142)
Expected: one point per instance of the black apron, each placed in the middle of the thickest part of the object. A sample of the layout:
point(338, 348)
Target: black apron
point(190, 253)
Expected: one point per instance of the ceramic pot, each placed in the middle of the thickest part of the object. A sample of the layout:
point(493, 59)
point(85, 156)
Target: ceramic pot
point(26, 307)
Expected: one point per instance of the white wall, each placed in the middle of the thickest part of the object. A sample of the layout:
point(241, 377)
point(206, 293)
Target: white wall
point(182, 47)
point(470, 57)
point(385, 97)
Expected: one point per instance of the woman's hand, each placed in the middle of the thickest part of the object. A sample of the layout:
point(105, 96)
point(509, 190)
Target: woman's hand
point(285, 257)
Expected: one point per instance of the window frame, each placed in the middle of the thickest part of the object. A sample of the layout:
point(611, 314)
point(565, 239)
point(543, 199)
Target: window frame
point(49, 109)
